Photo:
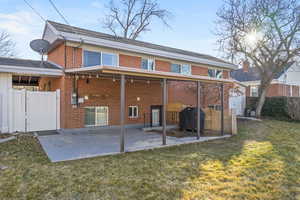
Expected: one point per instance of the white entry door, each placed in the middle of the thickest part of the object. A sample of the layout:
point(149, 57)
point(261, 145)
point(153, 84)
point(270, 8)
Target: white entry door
point(155, 117)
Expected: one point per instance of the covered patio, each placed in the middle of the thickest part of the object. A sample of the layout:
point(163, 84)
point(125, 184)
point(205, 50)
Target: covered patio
point(120, 139)
point(86, 143)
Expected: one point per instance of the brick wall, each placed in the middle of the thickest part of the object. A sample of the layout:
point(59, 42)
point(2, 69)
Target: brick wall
point(296, 91)
point(161, 65)
point(277, 90)
point(186, 93)
point(73, 56)
point(105, 92)
point(199, 70)
point(130, 61)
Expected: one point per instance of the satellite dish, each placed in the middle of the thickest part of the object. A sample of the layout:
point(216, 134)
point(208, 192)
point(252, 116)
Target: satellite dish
point(41, 46)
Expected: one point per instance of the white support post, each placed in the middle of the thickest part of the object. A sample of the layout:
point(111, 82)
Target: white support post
point(58, 109)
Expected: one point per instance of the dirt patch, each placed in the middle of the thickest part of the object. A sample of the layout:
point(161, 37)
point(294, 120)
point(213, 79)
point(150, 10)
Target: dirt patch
point(5, 135)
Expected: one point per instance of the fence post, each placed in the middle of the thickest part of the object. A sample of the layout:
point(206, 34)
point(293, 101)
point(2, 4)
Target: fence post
point(58, 109)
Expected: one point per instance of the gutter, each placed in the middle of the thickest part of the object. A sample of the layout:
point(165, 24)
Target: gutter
point(30, 70)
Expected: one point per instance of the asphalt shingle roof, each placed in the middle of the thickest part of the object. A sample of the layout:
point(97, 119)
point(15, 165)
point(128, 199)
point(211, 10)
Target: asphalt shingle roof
point(253, 74)
point(71, 29)
point(27, 63)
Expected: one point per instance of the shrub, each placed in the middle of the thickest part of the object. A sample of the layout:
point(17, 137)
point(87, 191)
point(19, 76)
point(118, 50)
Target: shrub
point(278, 107)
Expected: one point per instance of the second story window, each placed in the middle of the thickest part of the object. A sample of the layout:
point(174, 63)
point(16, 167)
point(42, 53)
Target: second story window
point(215, 73)
point(148, 64)
point(109, 59)
point(181, 69)
point(186, 69)
point(93, 58)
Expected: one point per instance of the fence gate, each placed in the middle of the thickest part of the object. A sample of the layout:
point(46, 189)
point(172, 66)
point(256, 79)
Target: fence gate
point(35, 111)
point(237, 102)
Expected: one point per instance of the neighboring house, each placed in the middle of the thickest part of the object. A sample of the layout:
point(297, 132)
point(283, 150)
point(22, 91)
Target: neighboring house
point(285, 83)
point(110, 81)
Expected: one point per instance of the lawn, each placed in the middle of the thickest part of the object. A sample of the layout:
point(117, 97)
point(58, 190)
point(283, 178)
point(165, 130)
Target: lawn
point(262, 162)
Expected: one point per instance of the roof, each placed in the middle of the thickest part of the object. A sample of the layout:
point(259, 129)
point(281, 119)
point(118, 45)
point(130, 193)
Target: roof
point(253, 74)
point(84, 32)
point(27, 63)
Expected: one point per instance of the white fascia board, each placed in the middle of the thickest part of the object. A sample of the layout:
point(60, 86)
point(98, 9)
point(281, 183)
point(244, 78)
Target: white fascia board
point(138, 49)
point(134, 70)
point(30, 70)
point(84, 69)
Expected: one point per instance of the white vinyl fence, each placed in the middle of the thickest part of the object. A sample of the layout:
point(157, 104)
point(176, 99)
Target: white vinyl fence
point(34, 111)
point(237, 102)
point(1, 112)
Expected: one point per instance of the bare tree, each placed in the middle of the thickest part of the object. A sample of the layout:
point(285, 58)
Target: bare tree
point(130, 18)
point(265, 32)
point(6, 45)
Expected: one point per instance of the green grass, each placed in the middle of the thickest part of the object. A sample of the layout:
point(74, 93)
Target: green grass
point(262, 162)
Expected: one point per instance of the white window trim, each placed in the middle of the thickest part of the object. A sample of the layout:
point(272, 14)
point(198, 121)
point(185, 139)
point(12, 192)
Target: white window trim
point(190, 66)
point(251, 92)
point(101, 52)
point(137, 112)
point(108, 53)
point(107, 117)
point(180, 67)
point(148, 67)
point(215, 73)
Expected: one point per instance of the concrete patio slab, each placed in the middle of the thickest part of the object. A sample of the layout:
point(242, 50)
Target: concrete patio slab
point(91, 143)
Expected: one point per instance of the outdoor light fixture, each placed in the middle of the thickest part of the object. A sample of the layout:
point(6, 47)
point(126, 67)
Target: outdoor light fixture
point(138, 98)
point(148, 81)
point(97, 76)
point(114, 80)
point(131, 80)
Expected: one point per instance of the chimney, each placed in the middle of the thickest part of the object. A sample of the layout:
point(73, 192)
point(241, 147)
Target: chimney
point(246, 65)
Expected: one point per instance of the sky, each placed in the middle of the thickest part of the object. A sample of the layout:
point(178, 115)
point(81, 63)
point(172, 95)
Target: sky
point(192, 22)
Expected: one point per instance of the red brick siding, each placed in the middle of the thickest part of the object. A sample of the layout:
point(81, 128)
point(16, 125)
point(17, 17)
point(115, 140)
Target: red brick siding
point(73, 55)
point(295, 91)
point(130, 61)
point(226, 74)
point(57, 55)
point(197, 70)
point(277, 89)
point(186, 93)
point(161, 65)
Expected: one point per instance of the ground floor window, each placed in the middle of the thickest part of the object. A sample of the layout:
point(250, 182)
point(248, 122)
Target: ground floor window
point(96, 116)
point(133, 112)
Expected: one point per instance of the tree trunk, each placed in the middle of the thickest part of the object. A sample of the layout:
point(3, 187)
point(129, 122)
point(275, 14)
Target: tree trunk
point(261, 101)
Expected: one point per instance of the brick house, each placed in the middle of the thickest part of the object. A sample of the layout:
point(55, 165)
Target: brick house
point(285, 83)
point(105, 80)
point(94, 64)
